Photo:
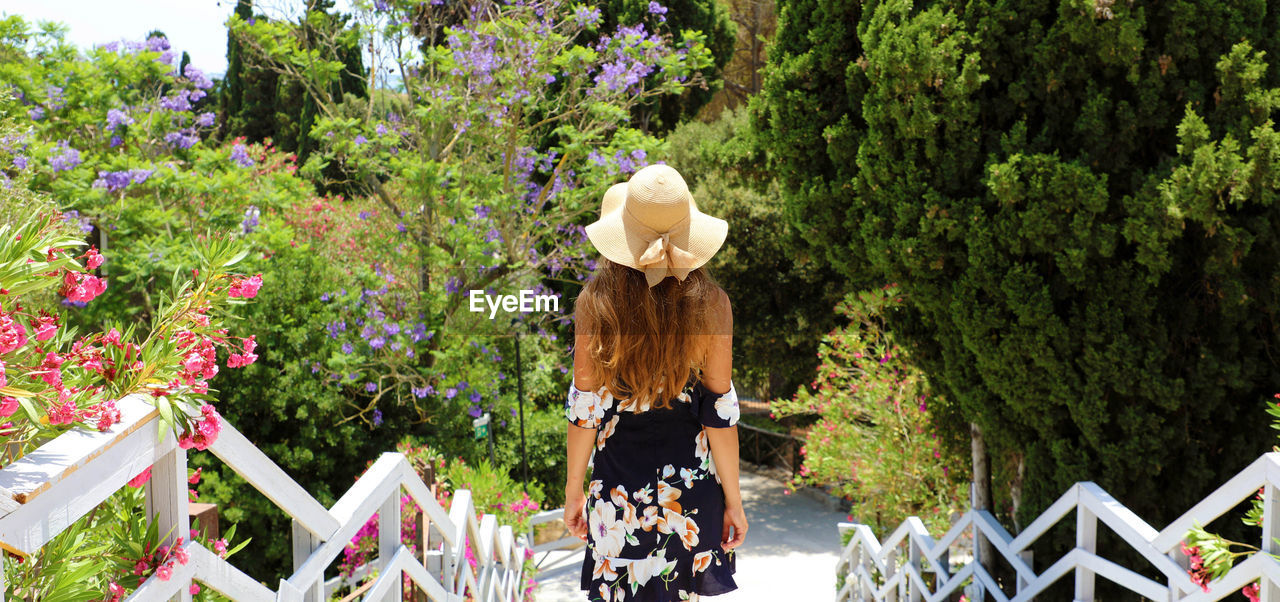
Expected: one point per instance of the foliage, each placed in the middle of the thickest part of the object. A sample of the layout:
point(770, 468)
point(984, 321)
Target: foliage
point(1078, 201)
point(544, 451)
point(710, 17)
point(108, 553)
point(874, 442)
point(782, 299)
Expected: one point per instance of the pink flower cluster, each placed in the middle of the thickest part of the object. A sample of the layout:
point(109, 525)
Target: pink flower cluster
point(1199, 575)
point(205, 432)
point(81, 287)
point(1251, 592)
point(13, 335)
point(245, 288)
point(239, 360)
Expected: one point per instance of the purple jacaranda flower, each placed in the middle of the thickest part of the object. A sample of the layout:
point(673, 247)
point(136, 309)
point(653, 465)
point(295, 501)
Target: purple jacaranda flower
point(377, 342)
point(377, 417)
point(364, 215)
point(71, 215)
point(117, 180)
point(110, 46)
point(586, 16)
point(335, 327)
point(114, 142)
point(482, 211)
point(205, 119)
point(452, 285)
point(380, 129)
point(117, 118)
point(157, 43)
point(657, 9)
point(419, 392)
point(181, 139)
point(240, 155)
point(475, 412)
point(315, 367)
point(180, 101)
point(359, 139)
point(401, 228)
point(450, 393)
point(35, 113)
point(19, 162)
point(391, 328)
point(513, 412)
point(166, 57)
point(346, 348)
point(395, 346)
point(65, 158)
point(250, 221)
point(462, 385)
point(502, 376)
point(371, 386)
point(197, 77)
point(475, 397)
point(492, 235)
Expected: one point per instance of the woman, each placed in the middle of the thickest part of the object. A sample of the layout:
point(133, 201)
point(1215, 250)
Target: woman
point(663, 512)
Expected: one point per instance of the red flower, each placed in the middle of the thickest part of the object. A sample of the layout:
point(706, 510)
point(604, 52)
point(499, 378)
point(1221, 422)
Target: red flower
point(141, 479)
point(246, 288)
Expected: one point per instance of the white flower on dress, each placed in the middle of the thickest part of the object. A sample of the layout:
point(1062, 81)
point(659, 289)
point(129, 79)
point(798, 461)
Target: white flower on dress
point(604, 592)
point(701, 561)
point(606, 431)
point(604, 568)
point(649, 519)
point(644, 495)
point(685, 527)
point(641, 571)
point(596, 487)
point(586, 408)
point(667, 471)
point(667, 496)
point(607, 531)
point(687, 475)
point(727, 407)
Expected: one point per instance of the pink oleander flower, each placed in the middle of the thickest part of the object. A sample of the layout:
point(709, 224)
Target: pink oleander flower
point(194, 589)
point(141, 478)
point(1251, 592)
point(82, 287)
point(8, 405)
point(205, 431)
point(108, 414)
point(164, 571)
point(4, 380)
point(12, 334)
point(238, 360)
point(246, 288)
point(63, 412)
point(180, 553)
point(46, 327)
point(92, 259)
point(220, 547)
point(194, 479)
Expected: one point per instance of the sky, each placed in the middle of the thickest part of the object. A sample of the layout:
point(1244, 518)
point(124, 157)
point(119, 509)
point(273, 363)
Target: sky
point(196, 26)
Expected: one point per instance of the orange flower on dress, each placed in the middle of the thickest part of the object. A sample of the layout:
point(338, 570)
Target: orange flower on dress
point(667, 496)
point(701, 561)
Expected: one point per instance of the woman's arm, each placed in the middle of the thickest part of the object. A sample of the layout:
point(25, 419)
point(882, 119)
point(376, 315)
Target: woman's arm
point(579, 440)
point(716, 378)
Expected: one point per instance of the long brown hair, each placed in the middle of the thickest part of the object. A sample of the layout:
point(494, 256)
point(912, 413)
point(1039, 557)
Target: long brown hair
point(646, 343)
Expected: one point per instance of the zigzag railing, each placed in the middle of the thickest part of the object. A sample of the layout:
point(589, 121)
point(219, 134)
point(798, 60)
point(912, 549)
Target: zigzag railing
point(897, 569)
point(47, 490)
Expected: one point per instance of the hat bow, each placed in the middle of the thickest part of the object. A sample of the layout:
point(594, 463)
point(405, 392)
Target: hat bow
point(663, 258)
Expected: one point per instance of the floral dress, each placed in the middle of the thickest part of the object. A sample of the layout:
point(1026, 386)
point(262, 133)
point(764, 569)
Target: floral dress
point(655, 509)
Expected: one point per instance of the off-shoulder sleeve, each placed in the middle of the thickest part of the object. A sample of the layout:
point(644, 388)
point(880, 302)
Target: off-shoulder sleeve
point(715, 410)
point(586, 408)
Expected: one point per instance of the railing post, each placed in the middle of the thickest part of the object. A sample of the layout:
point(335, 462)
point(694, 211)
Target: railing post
point(167, 500)
point(389, 539)
point(913, 557)
point(1087, 540)
point(1027, 557)
point(304, 543)
point(1269, 591)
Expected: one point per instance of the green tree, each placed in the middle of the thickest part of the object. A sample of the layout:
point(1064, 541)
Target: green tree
point(711, 17)
point(1078, 200)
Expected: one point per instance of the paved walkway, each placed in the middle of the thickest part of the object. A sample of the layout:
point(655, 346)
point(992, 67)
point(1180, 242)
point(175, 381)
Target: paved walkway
point(790, 552)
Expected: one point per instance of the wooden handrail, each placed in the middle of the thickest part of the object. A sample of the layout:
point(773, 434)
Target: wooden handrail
point(46, 491)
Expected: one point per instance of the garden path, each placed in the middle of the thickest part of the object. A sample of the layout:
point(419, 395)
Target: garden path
point(790, 552)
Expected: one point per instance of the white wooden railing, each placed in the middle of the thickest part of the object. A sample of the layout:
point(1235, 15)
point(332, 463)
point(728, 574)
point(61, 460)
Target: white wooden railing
point(47, 490)
point(897, 568)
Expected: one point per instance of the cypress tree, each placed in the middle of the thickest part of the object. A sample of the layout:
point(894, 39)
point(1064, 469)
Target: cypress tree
point(1078, 201)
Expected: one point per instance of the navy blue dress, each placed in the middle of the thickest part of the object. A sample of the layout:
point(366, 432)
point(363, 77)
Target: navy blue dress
point(655, 508)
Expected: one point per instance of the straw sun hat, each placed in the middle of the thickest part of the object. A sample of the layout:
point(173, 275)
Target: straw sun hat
point(651, 223)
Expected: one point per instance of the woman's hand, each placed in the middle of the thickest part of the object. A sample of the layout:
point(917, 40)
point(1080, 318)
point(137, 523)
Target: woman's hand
point(575, 515)
point(736, 517)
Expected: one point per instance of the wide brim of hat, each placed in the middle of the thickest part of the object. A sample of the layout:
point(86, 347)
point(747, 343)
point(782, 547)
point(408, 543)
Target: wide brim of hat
point(612, 238)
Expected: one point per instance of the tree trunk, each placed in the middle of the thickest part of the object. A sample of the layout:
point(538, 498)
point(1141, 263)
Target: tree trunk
point(980, 493)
